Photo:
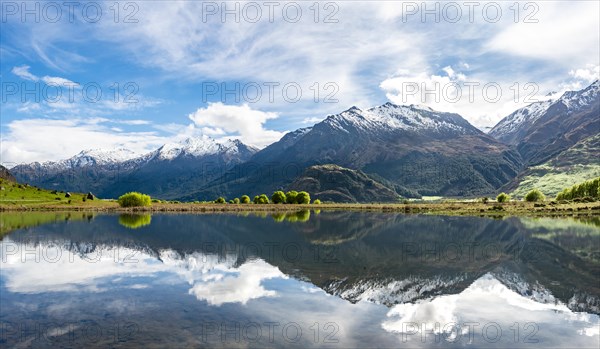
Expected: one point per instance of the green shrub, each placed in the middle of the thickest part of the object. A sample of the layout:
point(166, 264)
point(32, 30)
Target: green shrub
point(317, 202)
point(303, 198)
point(245, 199)
point(220, 200)
point(503, 197)
point(237, 201)
point(261, 199)
point(134, 199)
point(291, 196)
point(278, 197)
point(534, 196)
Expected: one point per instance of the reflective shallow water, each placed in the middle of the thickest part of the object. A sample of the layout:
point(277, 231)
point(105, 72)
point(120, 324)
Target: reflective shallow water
point(334, 279)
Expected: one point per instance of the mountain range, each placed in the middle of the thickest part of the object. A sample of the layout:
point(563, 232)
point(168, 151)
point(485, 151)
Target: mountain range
point(167, 172)
point(379, 154)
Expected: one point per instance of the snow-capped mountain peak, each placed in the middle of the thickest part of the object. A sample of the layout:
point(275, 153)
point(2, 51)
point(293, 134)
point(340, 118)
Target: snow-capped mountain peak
point(390, 117)
point(92, 157)
point(517, 123)
point(527, 115)
point(199, 146)
point(421, 107)
point(578, 99)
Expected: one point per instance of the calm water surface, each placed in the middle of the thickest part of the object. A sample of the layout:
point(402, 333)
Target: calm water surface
point(304, 279)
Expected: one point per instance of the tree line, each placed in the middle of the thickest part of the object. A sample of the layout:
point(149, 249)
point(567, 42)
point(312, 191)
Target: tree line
point(589, 188)
point(278, 197)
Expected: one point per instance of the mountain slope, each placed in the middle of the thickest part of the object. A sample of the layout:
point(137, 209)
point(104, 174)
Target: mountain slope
point(5, 174)
point(168, 172)
point(545, 129)
point(515, 126)
point(574, 165)
point(432, 153)
point(339, 184)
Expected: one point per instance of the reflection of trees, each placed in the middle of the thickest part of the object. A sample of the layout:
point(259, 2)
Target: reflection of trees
point(134, 221)
point(299, 216)
point(10, 221)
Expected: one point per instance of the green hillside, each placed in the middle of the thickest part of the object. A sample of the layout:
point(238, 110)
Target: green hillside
point(574, 165)
point(17, 194)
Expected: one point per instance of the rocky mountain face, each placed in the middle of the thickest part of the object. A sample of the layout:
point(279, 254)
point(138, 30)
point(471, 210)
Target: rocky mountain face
point(413, 148)
point(543, 130)
point(339, 184)
point(169, 172)
point(5, 174)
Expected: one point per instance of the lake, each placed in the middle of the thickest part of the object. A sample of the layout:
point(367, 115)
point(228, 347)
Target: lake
point(300, 279)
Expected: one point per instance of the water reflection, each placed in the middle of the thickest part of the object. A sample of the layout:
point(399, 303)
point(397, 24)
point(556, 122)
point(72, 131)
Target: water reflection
point(364, 278)
point(134, 221)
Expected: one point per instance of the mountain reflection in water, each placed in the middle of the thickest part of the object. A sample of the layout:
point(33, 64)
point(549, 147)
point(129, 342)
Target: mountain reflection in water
point(395, 279)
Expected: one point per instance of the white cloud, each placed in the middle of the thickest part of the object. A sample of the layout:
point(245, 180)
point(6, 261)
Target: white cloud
point(214, 279)
point(481, 100)
point(237, 121)
point(486, 300)
point(566, 33)
point(23, 73)
point(41, 139)
point(589, 74)
point(58, 81)
point(311, 121)
point(236, 285)
point(28, 107)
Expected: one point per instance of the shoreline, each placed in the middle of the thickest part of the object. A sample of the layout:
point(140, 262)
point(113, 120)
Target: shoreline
point(450, 208)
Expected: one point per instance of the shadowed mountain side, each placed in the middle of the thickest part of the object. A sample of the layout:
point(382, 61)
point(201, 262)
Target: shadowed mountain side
point(339, 184)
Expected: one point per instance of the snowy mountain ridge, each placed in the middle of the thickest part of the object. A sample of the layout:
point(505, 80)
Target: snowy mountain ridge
point(191, 147)
point(513, 126)
point(389, 117)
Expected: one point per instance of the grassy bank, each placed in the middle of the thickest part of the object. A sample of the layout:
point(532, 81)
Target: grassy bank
point(445, 208)
point(16, 197)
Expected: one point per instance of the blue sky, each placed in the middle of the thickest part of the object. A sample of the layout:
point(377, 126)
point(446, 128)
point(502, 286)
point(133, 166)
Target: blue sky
point(174, 61)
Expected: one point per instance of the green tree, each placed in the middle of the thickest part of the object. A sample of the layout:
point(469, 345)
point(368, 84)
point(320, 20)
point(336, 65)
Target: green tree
point(589, 188)
point(534, 196)
point(291, 196)
point(237, 201)
point(220, 200)
point(317, 202)
point(261, 199)
point(245, 199)
point(303, 198)
point(133, 199)
point(503, 197)
point(278, 197)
